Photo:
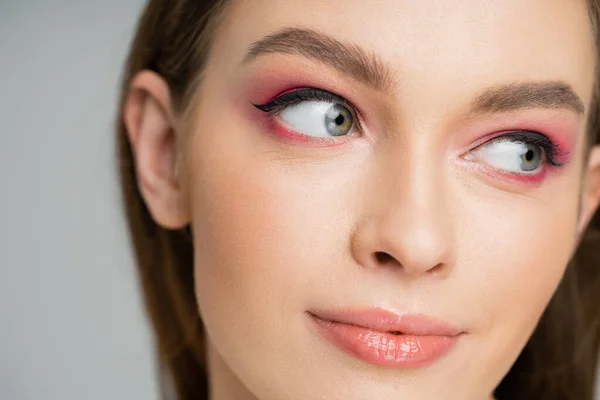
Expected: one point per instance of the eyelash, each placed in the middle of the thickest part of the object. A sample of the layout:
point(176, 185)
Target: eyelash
point(292, 98)
point(296, 97)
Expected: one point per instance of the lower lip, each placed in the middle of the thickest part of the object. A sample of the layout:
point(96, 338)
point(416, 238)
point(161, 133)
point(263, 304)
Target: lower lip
point(382, 348)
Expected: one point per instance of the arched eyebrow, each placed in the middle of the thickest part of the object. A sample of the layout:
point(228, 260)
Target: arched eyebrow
point(362, 66)
point(514, 96)
point(351, 60)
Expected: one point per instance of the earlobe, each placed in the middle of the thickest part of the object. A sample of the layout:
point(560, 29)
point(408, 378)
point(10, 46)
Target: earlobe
point(591, 191)
point(152, 133)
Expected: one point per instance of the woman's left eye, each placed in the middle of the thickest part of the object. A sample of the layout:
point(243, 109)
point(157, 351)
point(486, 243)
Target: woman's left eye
point(312, 112)
point(517, 152)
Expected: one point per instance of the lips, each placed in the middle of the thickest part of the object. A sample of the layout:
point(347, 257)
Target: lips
point(385, 321)
point(381, 337)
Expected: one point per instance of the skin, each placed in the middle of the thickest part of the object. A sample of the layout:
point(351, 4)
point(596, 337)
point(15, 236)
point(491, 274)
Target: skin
point(282, 227)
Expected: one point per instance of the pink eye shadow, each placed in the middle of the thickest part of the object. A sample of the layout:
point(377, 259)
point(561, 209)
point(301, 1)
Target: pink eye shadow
point(561, 127)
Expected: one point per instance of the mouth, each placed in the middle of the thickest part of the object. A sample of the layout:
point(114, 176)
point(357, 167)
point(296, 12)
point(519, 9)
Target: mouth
point(381, 337)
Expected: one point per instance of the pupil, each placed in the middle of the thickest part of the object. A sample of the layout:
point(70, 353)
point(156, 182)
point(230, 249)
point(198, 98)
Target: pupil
point(339, 119)
point(529, 155)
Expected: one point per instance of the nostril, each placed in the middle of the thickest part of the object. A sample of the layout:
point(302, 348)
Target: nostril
point(383, 258)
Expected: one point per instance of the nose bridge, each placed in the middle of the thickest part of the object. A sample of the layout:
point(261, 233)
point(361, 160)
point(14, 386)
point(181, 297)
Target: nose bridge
point(414, 227)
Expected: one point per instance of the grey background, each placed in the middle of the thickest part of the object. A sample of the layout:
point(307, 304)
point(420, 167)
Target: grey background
point(71, 318)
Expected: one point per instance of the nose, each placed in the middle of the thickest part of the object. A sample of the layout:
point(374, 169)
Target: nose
point(408, 224)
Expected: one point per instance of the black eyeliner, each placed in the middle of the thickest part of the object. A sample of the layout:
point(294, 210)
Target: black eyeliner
point(298, 96)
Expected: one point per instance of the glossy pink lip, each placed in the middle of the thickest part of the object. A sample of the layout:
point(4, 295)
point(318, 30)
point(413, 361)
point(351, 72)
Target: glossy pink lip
point(380, 337)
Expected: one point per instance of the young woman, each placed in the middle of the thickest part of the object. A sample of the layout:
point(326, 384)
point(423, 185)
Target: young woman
point(367, 199)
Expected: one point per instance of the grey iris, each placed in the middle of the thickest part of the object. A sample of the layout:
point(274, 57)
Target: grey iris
point(338, 120)
point(531, 158)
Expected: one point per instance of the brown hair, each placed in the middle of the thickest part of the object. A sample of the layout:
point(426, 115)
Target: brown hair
point(173, 38)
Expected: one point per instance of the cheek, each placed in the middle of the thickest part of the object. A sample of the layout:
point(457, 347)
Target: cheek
point(241, 245)
point(518, 250)
point(262, 234)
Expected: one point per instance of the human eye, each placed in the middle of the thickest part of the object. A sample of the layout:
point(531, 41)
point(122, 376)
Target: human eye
point(520, 152)
point(313, 113)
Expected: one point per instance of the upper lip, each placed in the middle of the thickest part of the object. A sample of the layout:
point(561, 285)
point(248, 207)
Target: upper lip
point(383, 320)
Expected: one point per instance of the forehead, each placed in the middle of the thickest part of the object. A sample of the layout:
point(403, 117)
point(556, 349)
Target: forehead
point(437, 44)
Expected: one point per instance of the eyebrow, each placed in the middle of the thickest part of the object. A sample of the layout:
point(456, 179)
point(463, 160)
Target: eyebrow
point(349, 59)
point(362, 66)
point(544, 94)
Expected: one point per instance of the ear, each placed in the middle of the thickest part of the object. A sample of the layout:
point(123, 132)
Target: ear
point(590, 197)
point(152, 132)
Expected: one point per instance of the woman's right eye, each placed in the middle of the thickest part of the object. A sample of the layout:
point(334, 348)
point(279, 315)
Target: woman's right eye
point(312, 112)
point(318, 118)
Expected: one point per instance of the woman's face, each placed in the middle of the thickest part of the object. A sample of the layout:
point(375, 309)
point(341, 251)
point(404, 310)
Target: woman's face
point(439, 176)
